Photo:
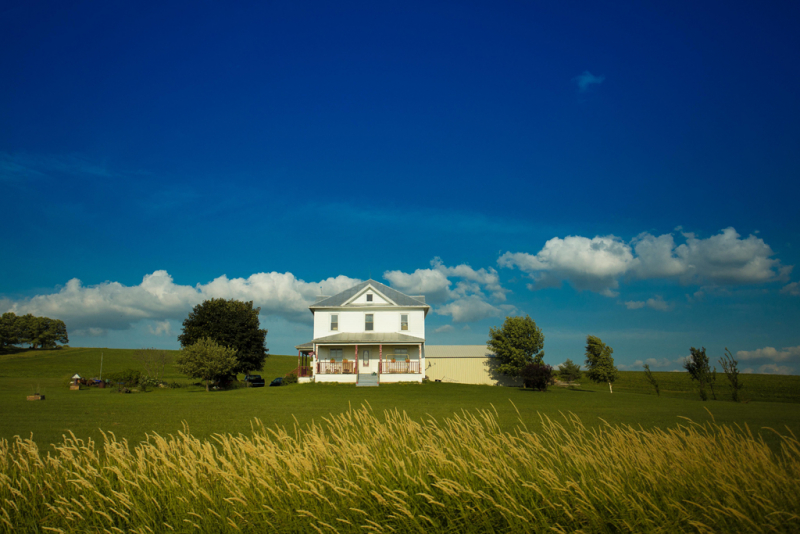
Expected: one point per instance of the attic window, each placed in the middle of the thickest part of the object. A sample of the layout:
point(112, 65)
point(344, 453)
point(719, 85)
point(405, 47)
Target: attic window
point(369, 297)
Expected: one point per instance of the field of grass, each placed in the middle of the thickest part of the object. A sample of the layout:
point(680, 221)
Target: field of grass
point(434, 457)
point(360, 473)
point(164, 411)
point(765, 388)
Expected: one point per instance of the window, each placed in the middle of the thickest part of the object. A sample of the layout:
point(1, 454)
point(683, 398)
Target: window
point(369, 297)
point(368, 323)
point(404, 321)
point(336, 354)
point(401, 354)
point(334, 321)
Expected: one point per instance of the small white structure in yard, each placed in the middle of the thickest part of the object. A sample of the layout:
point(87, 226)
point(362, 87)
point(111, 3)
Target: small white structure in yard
point(465, 364)
point(365, 335)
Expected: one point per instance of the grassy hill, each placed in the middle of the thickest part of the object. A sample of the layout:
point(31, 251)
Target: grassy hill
point(773, 401)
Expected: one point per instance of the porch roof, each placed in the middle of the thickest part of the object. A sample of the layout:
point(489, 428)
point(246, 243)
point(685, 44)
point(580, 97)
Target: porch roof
point(362, 337)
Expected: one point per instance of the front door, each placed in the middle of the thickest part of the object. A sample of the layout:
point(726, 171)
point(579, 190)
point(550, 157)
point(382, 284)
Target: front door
point(365, 360)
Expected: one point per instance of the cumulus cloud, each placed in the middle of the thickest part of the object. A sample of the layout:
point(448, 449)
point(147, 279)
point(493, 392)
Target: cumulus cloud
point(432, 283)
point(657, 303)
point(597, 264)
point(591, 264)
point(445, 328)
point(792, 289)
point(587, 79)
point(469, 309)
point(462, 291)
point(92, 310)
point(437, 287)
point(161, 328)
point(770, 353)
point(772, 369)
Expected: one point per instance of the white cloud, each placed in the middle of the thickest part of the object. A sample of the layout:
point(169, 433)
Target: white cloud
point(468, 309)
point(770, 353)
point(592, 264)
point(90, 332)
point(435, 282)
point(586, 79)
point(792, 289)
point(445, 328)
point(772, 369)
point(597, 264)
point(90, 310)
point(161, 327)
point(656, 303)
point(461, 289)
point(429, 282)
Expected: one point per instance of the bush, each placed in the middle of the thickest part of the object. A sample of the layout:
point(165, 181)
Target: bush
point(291, 378)
point(537, 376)
point(149, 382)
point(569, 371)
point(128, 378)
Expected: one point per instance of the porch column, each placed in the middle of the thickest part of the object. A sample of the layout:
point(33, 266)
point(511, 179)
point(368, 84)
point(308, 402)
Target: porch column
point(356, 359)
point(299, 362)
point(380, 358)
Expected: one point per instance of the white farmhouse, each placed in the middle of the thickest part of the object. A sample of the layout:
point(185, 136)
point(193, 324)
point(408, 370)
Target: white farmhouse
point(366, 335)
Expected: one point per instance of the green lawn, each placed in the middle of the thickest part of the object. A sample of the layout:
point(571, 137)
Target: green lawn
point(164, 410)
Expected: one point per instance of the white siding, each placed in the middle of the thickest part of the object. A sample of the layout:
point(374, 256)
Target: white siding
point(353, 320)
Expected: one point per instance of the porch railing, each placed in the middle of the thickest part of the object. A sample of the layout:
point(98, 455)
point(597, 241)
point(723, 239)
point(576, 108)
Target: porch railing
point(336, 368)
point(400, 367)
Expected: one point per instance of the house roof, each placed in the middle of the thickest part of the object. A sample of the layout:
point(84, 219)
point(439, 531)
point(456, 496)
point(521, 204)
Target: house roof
point(373, 338)
point(401, 299)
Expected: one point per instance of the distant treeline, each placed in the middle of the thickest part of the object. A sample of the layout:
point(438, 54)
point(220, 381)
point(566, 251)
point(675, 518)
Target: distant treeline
point(41, 332)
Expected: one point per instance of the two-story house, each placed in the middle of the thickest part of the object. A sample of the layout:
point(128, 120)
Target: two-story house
point(365, 335)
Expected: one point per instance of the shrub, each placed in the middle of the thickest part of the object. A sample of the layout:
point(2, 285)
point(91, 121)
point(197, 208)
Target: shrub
point(537, 376)
point(291, 378)
point(569, 371)
point(149, 382)
point(128, 378)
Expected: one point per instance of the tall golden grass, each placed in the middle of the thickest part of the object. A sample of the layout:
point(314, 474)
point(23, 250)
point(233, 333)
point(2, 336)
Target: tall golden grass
point(359, 473)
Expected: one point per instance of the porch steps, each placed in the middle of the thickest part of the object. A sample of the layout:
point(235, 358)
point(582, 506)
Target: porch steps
point(367, 380)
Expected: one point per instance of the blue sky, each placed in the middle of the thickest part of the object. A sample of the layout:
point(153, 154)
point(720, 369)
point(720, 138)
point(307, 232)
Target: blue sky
point(625, 171)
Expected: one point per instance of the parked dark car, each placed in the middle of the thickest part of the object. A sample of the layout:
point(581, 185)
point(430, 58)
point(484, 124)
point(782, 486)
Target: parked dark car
point(277, 382)
point(254, 381)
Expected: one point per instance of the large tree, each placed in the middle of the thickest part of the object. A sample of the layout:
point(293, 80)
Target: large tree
point(8, 330)
point(207, 361)
point(516, 344)
point(41, 332)
point(599, 362)
point(230, 323)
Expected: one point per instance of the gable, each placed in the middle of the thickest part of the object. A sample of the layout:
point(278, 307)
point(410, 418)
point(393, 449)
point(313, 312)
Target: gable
point(392, 295)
